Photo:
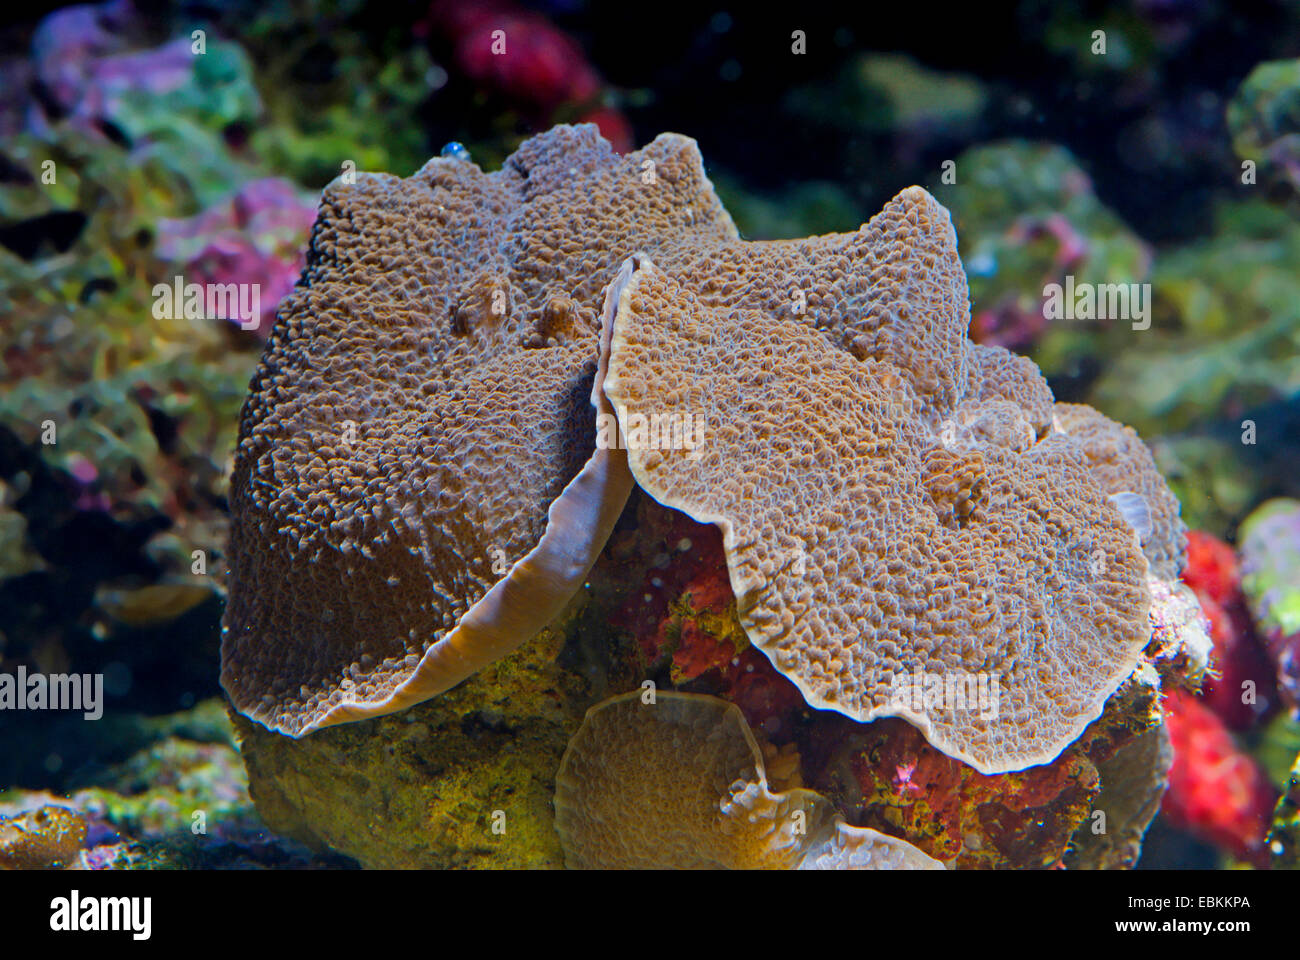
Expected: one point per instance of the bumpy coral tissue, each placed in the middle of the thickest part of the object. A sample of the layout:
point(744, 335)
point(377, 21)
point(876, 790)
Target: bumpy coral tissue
point(422, 481)
point(415, 488)
point(895, 501)
point(48, 837)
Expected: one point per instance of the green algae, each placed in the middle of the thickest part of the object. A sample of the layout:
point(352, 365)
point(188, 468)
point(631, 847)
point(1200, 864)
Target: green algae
point(1270, 544)
point(1026, 215)
point(1284, 838)
point(1226, 327)
point(1264, 120)
point(179, 801)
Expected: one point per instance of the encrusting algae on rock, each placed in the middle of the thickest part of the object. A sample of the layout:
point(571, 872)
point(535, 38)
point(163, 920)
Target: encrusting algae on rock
point(464, 780)
point(448, 423)
point(49, 837)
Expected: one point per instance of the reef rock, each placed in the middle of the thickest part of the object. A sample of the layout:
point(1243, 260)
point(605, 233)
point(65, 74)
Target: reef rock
point(1262, 118)
point(1270, 568)
point(464, 780)
point(1133, 782)
point(47, 837)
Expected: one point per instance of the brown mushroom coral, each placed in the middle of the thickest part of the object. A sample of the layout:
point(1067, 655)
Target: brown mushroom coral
point(898, 512)
point(421, 483)
point(416, 488)
point(678, 782)
point(1123, 465)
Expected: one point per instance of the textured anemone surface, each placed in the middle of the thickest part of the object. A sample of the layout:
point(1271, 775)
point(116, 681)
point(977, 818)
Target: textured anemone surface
point(416, 487)
point(898, 508)
point(678, 782)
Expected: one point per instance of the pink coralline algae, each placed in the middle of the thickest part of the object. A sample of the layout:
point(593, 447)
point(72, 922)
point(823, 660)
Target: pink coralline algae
point(256, 236)
point(524, 58)
point(1007, 323)
point(96, 91)
point(1241, 689)
point(68, 49)
point(887, 777)
point(1216, 792)
point(684, 618)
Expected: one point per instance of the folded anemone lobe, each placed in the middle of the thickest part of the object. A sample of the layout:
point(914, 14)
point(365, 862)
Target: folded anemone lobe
point(416, 487)
point(895, 501)
point(679, 783)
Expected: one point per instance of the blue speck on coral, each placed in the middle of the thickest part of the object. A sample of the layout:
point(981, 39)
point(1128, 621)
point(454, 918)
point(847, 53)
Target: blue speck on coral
point(455, 150)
